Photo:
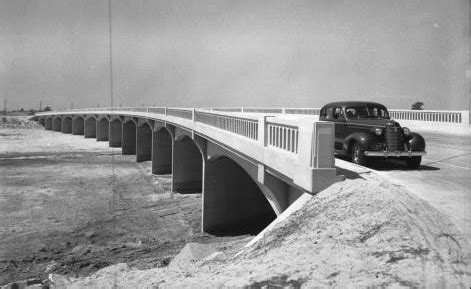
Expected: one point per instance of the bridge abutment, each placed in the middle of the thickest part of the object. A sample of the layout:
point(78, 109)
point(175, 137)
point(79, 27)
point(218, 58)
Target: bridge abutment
point(90, 128)
point(67, 125)
point(102, 129)
point(116, 132)
point(144, 143)
point(128, 143)
point(187, 167)
point(162, 145)
point(78, 126)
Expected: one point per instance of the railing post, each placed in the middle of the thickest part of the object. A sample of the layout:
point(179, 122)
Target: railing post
point(165, 110)
point(262, 130)
point(283, 110)
point(465, 117)
point(193, 110)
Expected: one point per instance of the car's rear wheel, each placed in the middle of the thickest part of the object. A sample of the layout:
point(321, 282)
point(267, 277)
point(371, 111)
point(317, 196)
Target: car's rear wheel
point(357, 155)
point(414, 162)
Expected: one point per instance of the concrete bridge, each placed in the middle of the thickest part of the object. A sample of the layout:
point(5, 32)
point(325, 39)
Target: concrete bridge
point(248, 166)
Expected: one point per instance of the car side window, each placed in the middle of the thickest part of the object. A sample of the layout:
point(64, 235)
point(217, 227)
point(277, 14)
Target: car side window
point(338, 114)
point(329, 112)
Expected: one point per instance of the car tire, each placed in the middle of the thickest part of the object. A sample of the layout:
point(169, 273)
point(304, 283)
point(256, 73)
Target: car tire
point(414, 162)
point(357, 155)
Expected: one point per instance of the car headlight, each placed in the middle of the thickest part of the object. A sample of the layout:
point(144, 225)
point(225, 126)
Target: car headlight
point(378, 131)
point(405, 131)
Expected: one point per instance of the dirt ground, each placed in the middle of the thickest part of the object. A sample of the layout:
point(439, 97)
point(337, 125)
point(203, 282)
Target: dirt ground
point(71, 206)
point(361, 233)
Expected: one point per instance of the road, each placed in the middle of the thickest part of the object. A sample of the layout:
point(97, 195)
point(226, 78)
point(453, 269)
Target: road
point(443, 180)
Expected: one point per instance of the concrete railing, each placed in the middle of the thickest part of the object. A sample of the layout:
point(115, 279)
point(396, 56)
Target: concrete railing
point(244, 126)
point(430, 115)
point(442, 116)
point(180, 112)
point(283, 136)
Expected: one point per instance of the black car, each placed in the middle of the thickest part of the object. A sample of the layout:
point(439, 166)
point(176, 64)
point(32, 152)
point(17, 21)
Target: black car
point(364, 130)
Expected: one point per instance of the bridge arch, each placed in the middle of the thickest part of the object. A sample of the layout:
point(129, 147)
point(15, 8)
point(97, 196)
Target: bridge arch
point(57, 124)
point(41, 120)
point(67, 124)
point(78, 125)
point(187, 166)
point(102, 129)
point(162, 146)
point(90, 127)
point(144, 142)
point(48, 123)
point(115, 132)
point(128, 142)
point(233, 202)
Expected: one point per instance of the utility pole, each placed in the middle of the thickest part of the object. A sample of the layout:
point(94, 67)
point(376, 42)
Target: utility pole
point(110, 51)
point(40, 105)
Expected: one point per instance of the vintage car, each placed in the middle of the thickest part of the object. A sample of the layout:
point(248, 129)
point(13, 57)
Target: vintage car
point(364, 130)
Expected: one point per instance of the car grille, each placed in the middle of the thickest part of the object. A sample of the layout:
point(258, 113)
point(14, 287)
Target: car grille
point(393, 137)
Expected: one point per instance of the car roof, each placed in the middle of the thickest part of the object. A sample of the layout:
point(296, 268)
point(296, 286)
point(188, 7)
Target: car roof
point(346, 103)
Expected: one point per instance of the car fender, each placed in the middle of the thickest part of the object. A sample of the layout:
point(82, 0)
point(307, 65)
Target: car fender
point(416, 142)
point(367, 141)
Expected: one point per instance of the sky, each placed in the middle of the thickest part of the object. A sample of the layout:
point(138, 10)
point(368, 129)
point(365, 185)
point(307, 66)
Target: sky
point(203, 53)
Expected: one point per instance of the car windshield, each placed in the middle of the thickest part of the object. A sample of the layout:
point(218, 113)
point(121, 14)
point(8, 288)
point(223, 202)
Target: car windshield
point(366, 111)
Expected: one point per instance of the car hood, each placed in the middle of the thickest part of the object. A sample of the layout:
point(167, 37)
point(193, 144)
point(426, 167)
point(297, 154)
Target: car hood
point(373, 122)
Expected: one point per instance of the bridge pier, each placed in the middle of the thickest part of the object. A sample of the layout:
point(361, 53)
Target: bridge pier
point(187, 167)
point(144, 143)
point(116, 132)
point(78, 126)
point(128, 143)
point(161, 152)
point(67, 125)
point(90, 128)
point(48, 125)
point(232, 201)
point(102, 129)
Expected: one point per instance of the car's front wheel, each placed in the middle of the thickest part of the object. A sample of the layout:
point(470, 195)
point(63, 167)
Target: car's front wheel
point(414, 162)
point(357, 155)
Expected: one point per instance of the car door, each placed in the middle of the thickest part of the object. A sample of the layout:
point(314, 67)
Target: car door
point(340, 126)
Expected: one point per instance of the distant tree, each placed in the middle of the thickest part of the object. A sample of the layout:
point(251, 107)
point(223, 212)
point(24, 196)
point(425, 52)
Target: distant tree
point(47, 108)
point(417, 106)
point(21, 109)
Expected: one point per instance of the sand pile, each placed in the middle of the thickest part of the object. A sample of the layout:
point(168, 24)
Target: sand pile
point(360, 232)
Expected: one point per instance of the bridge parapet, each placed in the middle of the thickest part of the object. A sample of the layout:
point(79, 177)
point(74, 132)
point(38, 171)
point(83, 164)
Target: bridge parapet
point(431, 115)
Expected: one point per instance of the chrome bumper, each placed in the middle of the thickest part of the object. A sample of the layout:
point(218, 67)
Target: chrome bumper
point(393, 154)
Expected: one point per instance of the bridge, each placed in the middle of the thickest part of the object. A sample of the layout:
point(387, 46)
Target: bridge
point(249, 164)
point(249, 167)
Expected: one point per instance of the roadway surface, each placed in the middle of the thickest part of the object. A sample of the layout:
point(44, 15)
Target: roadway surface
point(444, 178)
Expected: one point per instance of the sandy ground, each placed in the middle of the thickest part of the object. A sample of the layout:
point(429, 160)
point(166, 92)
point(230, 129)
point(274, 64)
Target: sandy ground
point(71, 205)
point(363, 232)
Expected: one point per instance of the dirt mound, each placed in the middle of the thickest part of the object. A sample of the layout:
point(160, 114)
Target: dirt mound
point(18, 122)
point(360, 232)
